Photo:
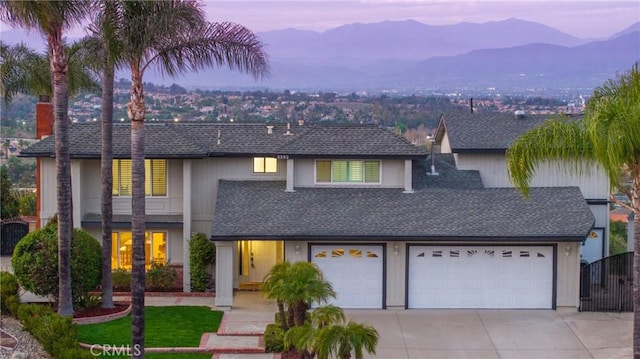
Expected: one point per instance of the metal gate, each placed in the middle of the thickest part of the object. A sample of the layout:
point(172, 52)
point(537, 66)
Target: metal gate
point(11, 232)
point(606, 285)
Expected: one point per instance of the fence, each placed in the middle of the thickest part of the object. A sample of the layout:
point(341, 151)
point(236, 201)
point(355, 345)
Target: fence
point(11, 232)
point(606, 285)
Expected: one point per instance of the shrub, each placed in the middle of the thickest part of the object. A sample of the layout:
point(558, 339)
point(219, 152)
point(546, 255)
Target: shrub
point(35, 262)
point(58, 335)
point(202, 252)
point(9, 295)
point(121, 280)
point(29, 314)
point(89, 301)
point(160, 276)
point(273, 338)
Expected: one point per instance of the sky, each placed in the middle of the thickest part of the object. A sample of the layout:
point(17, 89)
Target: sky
point(584, 19)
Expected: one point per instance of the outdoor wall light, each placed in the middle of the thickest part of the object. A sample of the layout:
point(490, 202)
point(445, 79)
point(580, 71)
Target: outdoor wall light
point(395, 249)
point(567, 250)
point(297, 249)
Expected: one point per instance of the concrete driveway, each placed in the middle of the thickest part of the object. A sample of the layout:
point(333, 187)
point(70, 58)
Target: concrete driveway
point(481, 334)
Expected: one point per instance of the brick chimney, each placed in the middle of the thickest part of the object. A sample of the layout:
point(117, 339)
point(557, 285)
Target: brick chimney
point(44, 128)
point(44, 117)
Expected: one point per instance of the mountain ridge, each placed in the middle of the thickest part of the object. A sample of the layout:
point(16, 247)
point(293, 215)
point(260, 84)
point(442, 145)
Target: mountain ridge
point(408, 54)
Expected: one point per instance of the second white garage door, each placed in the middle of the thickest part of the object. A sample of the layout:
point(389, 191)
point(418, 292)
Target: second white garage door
point(480, 277)
point(355, 271)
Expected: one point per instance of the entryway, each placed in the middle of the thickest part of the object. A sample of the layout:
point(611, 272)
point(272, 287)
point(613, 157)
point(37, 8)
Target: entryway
point(257, 258)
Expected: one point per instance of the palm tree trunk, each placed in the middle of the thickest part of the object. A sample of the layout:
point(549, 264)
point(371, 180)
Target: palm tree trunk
point(107, 183)
point(283, 316)
point(63, 167)
point(291, 316)
point(136, 112)
point(300, 312)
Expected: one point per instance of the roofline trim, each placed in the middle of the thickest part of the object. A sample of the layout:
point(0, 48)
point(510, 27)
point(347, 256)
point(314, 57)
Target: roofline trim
point(366, 238)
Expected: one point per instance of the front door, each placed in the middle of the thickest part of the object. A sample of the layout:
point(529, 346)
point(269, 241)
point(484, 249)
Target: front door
point(262, 256)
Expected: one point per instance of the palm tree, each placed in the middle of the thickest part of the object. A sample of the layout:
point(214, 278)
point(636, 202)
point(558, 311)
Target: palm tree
point(23, 70)
point(608, 135)
point(106, 48)
point(342, 340)
point(272, 288)
point(305, 338)
point(52, 18)
point(174, 37)
point(326, 333)
point(305, 285)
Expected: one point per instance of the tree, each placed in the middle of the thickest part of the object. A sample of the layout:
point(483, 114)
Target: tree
point(272, 288)
point(23, 70)
point(608, 135)
point(35, 263)
point(327, 333)
point(52, 18)
point(342, 340)
point(9, 206)
point(304, 286)
point(106, 48)
point(174, 37)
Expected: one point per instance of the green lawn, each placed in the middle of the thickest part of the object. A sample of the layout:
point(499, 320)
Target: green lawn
point(165, 327)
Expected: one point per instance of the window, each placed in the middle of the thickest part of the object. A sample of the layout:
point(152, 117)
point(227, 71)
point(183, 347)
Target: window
point(155, 177)
point(265, 165)
point(347, 171)
point(155, 249)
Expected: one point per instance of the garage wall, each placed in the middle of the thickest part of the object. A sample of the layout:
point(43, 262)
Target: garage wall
point(396, 274)
point(568, 275)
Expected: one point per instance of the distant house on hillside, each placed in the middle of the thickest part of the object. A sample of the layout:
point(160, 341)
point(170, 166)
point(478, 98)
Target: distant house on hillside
point(355, 200)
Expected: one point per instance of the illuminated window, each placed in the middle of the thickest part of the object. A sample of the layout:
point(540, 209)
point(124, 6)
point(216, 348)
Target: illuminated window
point(347, 171)
point(265, 165)
point(337, 253)
point(155, 177)
point(155, 249)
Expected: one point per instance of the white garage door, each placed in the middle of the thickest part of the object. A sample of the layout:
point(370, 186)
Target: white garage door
point(480, 277)
point(355, 271)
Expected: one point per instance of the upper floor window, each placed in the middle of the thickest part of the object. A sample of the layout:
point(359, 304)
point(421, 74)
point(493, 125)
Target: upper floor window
point(265, 165)
point(155, 177)
point(348, 171)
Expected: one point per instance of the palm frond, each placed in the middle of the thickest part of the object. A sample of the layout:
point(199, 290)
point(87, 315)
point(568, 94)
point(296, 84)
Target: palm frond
point(23, 70)
point(559, 140)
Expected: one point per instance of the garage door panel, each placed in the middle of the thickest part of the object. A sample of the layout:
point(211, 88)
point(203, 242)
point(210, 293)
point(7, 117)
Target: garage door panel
point(480, 277)
point(355, 272)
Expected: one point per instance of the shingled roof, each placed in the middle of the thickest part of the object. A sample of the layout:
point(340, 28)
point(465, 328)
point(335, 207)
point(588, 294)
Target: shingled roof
point(198, 140)
point(263, 210)
point(487, 132)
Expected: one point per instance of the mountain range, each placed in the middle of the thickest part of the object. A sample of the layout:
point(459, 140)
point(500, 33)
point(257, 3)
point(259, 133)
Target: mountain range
point(505, 55)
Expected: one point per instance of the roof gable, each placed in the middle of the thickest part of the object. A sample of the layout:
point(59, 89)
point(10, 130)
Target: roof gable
point(485, 132)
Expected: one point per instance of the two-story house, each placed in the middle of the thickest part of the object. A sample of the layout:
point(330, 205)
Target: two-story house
point(356, 200)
